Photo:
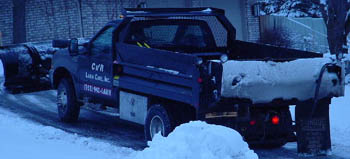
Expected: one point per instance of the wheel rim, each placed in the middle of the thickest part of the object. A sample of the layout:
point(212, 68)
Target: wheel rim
point(62, 99)
point(156, 126)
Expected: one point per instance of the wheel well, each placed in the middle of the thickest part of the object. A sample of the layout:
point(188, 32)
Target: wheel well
point(182, 112)
point(59, 74)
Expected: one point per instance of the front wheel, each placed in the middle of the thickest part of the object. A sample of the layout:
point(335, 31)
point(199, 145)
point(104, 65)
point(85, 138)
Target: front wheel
point(158, 120)
point(68, 108)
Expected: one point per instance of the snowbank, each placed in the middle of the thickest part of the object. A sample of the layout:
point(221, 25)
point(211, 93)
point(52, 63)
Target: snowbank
point(198, 140)
point(265, 81)
point(1, 69)
point(340, 124)
point(23, 139)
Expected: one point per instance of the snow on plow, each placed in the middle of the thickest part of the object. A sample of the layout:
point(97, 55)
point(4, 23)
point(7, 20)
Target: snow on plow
point(26, 65)
point(264, 82)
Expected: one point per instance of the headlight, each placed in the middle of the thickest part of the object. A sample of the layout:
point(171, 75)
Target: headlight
point(223, 58)
point(199, 61)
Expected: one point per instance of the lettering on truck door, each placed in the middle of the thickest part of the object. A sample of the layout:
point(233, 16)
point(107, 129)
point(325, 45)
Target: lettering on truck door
point(97, 73)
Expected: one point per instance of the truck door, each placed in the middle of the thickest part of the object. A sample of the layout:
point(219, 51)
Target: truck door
point(96, 70)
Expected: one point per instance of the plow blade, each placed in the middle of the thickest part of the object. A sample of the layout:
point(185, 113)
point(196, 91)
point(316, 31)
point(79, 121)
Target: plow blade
point(27, 65)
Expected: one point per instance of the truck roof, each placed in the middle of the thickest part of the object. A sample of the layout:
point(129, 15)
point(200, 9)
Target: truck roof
point(164, 12)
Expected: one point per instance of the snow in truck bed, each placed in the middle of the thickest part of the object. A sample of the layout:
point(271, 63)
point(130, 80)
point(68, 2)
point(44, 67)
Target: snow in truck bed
point(262, 82)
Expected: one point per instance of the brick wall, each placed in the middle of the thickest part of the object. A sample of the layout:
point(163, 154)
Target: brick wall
point(51, 19)
point(62, 19)
point(253, 22)
point(96, 13)
point(6, 23)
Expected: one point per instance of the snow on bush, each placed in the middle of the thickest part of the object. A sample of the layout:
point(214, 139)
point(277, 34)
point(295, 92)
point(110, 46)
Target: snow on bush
point(198, 140)
point(347, 79)
point(1, 69)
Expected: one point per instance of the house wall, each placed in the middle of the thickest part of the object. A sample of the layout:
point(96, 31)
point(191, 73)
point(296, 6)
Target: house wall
point(62, 19)
point(167, 3)
point(6, 22)
point(59, 19)
point(234, 12)
point(240, 14)
point(252, 23)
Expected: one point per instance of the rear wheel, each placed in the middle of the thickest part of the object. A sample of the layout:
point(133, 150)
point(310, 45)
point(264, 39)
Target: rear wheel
point(68, 108)
point(158, 120)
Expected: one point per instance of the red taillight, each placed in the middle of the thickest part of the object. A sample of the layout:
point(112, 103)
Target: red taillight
point(275, 120)
point(199, 80)
point(253, 122)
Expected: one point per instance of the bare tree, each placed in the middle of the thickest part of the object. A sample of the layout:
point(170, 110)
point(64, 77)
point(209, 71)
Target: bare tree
point(334, 13)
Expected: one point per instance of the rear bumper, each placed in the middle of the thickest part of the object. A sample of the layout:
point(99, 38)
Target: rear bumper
point(263, 131)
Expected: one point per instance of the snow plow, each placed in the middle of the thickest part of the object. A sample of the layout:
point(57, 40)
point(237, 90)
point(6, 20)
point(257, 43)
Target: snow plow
point(26, 66)
point(164, 67)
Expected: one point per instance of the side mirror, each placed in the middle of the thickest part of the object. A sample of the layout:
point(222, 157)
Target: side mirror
point(73, 47)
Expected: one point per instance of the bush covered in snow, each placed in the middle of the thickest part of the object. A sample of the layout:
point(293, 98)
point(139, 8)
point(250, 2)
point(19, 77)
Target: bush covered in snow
point(347, 79)
point(198, 140)
point(277, 37)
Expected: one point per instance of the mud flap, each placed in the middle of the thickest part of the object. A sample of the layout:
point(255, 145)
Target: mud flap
point(313, 130)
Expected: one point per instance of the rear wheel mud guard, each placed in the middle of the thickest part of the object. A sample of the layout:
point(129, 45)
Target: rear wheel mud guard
point(313, 128)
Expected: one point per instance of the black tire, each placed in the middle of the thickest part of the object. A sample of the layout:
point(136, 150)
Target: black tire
point(155, 114)
point(67, 106)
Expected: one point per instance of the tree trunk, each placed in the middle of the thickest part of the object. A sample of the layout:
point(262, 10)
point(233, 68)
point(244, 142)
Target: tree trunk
point(335, 20)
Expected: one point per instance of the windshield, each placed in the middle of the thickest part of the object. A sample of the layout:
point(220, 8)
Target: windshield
point(181, 35)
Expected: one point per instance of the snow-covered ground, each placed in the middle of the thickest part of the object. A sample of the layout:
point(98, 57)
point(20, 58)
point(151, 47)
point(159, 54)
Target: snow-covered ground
point(24, 139)
point(340, 124)
point(21, 139)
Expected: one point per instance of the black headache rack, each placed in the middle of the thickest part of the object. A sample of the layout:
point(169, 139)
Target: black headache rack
point(164, 12)
point(253, 51)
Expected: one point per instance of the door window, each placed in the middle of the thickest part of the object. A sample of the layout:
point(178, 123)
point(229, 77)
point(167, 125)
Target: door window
point(103, 43)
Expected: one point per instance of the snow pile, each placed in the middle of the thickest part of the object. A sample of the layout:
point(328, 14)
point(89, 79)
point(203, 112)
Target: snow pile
point(23, 139)
point(198, 140)
point(347, 79)
point(265, 81)
point(1, 69)
point(340, 124)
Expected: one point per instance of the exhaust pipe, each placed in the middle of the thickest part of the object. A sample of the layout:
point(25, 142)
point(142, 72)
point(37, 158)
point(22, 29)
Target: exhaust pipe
point(26, 66)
